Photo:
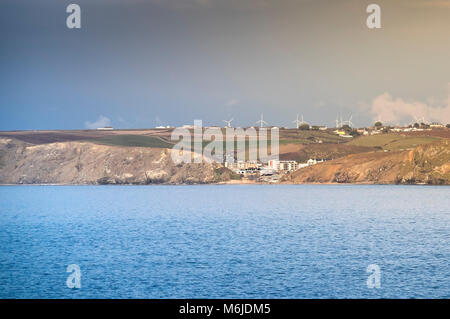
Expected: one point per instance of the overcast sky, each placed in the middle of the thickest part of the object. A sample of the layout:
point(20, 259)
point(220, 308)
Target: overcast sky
point(138, 63)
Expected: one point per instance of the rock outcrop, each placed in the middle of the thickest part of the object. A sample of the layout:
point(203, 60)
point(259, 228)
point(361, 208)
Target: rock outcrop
point(88, 163)
point(426, 164)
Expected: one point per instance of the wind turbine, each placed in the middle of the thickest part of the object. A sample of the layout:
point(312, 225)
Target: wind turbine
point(228, 122)
point(422, 120)
point(261, 121)
point(348, 122)
point(303, 122)
point(418, 120)
point(297, 122)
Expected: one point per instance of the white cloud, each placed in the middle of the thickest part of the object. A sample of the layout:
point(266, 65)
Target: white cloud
point(102, 121)
point(398, 111)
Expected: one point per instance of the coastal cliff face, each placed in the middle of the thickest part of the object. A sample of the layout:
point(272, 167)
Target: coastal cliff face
point(88, 163)
point(82, 162)
point(426, 164)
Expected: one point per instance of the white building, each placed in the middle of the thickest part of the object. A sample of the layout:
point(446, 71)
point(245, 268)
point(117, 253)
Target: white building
point(241, 165)
point(283, 165)
point(314, 161)
point(266, 171)
point(436, 125)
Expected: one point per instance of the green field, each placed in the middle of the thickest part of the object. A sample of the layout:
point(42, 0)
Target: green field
point(392, 142)
point(133, 140)
point(308, 137)
point(286, 137)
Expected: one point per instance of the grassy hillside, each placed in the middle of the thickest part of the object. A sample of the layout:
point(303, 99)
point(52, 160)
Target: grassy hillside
point(392, 142)
point(133, 140)
point(307, 137)
point(301, 153)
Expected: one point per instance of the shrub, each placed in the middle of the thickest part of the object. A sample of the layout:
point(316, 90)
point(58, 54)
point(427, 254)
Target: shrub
point(304, 127)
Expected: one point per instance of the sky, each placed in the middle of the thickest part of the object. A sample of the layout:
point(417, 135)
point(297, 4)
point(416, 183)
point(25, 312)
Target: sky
point(140, 64)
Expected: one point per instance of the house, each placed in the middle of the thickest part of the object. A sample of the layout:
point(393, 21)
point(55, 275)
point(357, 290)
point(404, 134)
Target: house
point(310, 162)
point(240, 165)
point(288, 166)
point(436, 125)
point(314, 161)
point(283, 165)
point(340, 132)
point(274, 164)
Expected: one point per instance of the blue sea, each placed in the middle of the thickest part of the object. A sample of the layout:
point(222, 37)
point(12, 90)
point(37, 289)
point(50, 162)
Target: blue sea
point(225, 241)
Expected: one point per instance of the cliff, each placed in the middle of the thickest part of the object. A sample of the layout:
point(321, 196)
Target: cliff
point(87, 163)
point(84, 162)
point(425, 164)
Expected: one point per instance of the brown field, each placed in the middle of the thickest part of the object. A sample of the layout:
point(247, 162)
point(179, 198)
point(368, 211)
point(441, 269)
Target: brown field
point(301, 153)
point(46, 137)
point(294, 144)
point(444, 133)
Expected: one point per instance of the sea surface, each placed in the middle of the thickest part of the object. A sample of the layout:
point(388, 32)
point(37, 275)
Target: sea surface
point(225, 241)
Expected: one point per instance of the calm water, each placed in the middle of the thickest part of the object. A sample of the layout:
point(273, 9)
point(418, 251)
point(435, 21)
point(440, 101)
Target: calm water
point(224, 241)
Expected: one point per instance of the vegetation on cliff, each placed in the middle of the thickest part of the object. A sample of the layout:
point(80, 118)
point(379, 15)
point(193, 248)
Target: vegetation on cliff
point(88, 163)
point(425, 164)
point(143, 157)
